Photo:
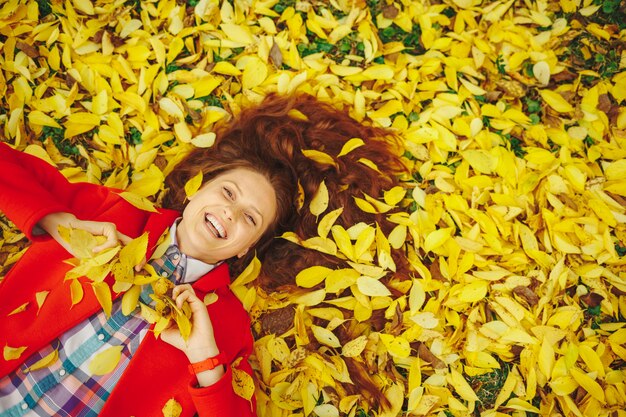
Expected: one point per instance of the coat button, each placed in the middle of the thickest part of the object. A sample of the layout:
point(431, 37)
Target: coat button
point(24, 406)
point(62, 372)
point(100, 337)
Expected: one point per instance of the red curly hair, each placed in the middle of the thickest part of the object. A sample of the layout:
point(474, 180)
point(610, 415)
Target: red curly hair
point(269, 138)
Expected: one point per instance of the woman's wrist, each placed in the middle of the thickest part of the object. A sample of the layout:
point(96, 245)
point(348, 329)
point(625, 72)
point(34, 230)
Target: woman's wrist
point(195, 355)
point(50, 222)
point(210, 376)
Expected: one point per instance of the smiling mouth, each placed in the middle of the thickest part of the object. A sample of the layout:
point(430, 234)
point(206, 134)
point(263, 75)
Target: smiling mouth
point(215, 226)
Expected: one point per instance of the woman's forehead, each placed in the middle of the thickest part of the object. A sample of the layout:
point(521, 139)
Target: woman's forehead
point(252, 185)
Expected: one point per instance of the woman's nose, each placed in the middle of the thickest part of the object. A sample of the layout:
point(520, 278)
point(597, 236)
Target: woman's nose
point(230, 212)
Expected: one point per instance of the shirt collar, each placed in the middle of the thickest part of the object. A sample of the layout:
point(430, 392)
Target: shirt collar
point(195, 268)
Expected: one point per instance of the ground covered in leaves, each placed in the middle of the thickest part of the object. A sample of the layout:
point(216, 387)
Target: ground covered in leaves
point(513, 120)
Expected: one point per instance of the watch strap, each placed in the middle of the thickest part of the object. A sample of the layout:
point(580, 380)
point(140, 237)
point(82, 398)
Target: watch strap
point(207, 364)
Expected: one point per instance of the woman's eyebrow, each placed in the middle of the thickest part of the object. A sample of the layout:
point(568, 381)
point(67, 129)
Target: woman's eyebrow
point(254, 208)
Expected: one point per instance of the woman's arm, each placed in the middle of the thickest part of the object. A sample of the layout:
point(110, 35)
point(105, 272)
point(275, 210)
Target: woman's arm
point(51, 223)
point(201, 343)
point(213, 395)
point(30, 189)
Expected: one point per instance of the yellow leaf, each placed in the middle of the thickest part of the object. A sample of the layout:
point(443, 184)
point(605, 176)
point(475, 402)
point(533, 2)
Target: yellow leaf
point(204, 140)
point(591, 359)
point(340, 279)
point(563, 385)
point(372, 287)
point(319, 203)
point(182, 132)
point(147, 182)
point(172, 408)
point(103, 294)
point(44, 362)
point(541, 71)
point(342, 239)
point(19, 309)
point(138, 201)
point(84, 6)
point(354, 347)
point(365, 206)
point(546, 358)
point(394, 196)
point(437, 238)
point(482, 161)
point(474, 291)
point(76, 291)
point(396, 346)
point(297, 114)
point(278, 349)
point(417, 296)
point(193, 185)
point(184, 324)
point(350, 145)
point(130, 299)
point(616, 171)
point(556, 101)
point(40, 297)
point(518, 404)
point(254, 73)
point(100, 103)
point(81, 241)
point(37, 117)
point(319, 156)
point(210, 298)
point(135, 251)
point(378, 72)
point(10, 353)
point(591, 386)
point(243, 384)
point(397, 237)
point(364, 241)
point(461, 386)
point(105, 361)
point(249, 274)
point(149, 314)
point(325, 336)
point(324, 226)
point(226, 68)
point(237, 33)
point(312, 276)
point(299, 198)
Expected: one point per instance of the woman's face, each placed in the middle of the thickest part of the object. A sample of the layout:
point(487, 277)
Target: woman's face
point(227, 216)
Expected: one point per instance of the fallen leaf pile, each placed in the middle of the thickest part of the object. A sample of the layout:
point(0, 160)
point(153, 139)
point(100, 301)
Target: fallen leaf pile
point(514, 220)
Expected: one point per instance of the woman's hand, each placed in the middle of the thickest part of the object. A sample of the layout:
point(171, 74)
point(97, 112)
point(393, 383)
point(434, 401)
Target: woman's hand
point(201, 343)
point(51, 223)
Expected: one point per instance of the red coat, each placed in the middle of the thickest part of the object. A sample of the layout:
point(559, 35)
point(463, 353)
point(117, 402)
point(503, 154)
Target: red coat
point(29, 189)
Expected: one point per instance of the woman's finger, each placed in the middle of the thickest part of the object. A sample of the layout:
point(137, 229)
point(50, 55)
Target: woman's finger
point(123, 238)
point(180, 288)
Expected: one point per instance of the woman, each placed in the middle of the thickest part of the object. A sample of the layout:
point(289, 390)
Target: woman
point(251, 192)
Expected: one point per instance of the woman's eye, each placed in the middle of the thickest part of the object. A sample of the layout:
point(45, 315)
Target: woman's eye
point(228, 193)
point(251, 219)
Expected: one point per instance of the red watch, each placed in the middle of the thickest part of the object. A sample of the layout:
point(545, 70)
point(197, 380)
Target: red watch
point(208, 363)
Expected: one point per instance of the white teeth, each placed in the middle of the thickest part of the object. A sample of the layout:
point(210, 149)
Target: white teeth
point(220, 230)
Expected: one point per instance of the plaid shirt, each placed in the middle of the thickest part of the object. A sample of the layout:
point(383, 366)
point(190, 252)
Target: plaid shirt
point(67, 388)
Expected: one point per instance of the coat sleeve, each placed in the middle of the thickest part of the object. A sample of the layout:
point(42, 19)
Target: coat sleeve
point(30, 188)
point(220, 399)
